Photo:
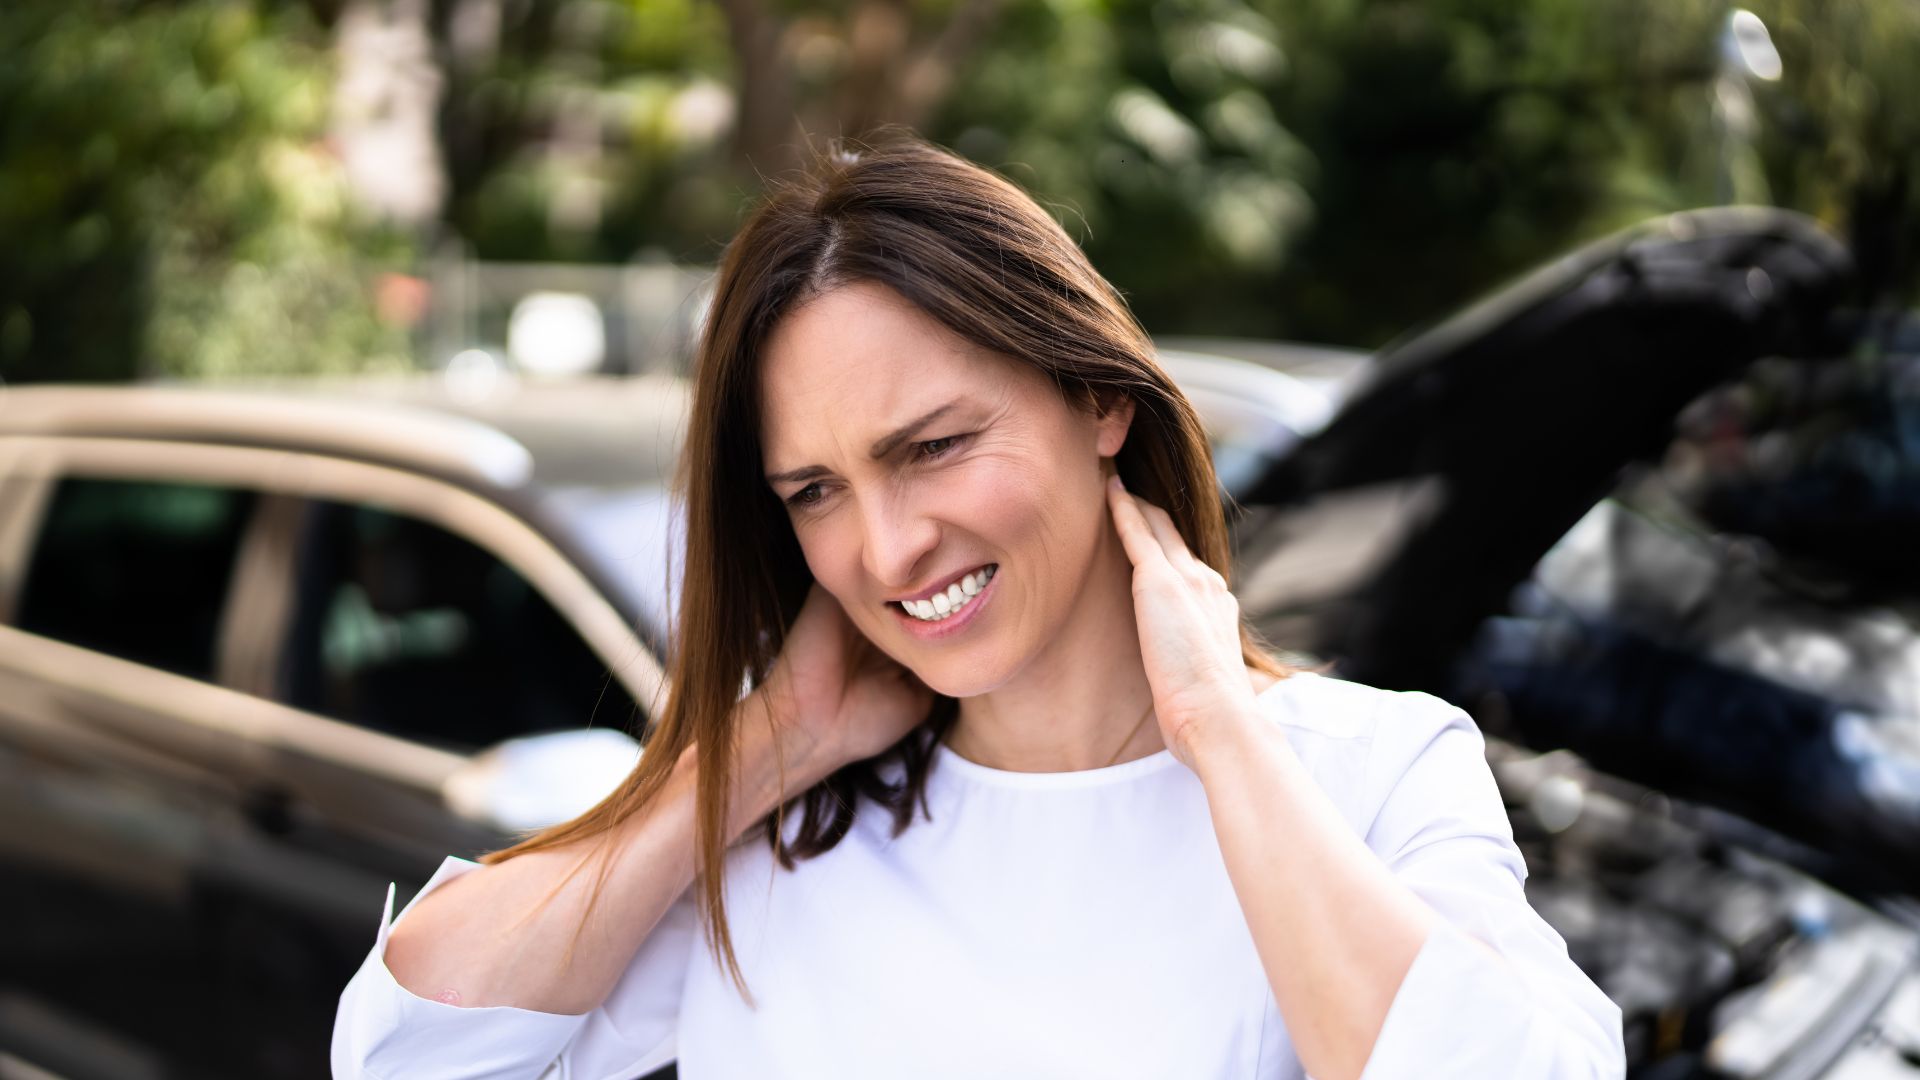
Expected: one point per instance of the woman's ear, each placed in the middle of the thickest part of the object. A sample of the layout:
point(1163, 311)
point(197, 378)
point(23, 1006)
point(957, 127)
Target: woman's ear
point(1115, 419)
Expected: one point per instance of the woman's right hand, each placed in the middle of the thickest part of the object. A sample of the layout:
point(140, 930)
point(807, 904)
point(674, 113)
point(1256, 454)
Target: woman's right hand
point(836, 698)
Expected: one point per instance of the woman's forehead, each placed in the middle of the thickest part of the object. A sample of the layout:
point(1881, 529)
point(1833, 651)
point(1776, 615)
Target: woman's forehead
point(859, 333)
point(862, 356)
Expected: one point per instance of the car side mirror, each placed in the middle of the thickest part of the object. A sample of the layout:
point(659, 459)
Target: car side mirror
point(541, 780)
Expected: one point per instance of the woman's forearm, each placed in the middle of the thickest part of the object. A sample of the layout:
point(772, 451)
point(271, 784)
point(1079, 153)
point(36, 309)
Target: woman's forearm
point(499, 935)
point(1336, 932)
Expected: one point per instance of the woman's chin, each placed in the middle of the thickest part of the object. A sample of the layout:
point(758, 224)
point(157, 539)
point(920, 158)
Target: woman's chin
point(957, 680)
point(949, 676)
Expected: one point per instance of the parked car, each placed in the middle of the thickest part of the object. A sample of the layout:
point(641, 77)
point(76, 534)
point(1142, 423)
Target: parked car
point(255, 647)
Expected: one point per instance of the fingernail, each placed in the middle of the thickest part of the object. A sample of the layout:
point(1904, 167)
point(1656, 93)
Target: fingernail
point(1114, 482)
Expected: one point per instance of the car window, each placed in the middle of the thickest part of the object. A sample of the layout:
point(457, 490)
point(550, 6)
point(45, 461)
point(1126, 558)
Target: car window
point(404, 627)
point(636, 538)
point(136, 569)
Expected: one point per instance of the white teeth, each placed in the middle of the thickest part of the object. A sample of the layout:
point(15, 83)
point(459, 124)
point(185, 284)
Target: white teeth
point(941, 605)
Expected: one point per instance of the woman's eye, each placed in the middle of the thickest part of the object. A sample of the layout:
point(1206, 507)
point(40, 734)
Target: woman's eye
point(929, 450)
point(935, 448)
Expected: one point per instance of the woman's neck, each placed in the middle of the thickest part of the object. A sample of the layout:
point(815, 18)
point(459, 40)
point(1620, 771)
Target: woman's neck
point(1079, 703)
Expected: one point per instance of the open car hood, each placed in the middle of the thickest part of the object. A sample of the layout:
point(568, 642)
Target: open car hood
point(1469, 449)
point(1485, 518)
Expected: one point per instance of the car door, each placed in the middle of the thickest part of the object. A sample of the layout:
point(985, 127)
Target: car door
point(399, 625)
point(111, 808)
point(297, 817)
point(402, 625)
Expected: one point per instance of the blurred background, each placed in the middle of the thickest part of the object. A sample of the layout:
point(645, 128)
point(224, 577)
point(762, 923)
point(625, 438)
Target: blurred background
point(1558, 358)
point(212, 188)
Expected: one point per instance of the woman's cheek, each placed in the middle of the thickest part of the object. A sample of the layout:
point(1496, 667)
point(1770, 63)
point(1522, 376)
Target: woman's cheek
point(831, 559)
point(1033, 510)
point(1002, 489)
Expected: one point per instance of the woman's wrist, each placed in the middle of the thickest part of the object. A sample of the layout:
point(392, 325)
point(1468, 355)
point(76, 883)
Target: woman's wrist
point(1225, 740)
point(751, 798)
point(774, 763)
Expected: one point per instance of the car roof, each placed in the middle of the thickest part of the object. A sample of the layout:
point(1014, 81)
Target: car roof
point(612, 431)
point(511, 436)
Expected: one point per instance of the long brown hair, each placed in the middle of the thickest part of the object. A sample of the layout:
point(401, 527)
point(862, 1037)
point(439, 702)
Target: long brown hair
point(976, 253)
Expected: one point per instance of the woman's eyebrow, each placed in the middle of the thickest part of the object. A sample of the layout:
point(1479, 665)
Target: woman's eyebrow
point(886, 445)
point(881, 448)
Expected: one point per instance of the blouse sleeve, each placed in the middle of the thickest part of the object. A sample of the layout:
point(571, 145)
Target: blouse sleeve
point(383, 1031)
point(1492, 993)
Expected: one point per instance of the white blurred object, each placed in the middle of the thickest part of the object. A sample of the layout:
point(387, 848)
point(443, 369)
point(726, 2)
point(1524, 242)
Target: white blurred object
point(475, 375)
point(1557, 802)
point(557, 334)
point(542, 780)
point(703, 111)
point(385, 101)
point(1746, 47)
point(1747, 55)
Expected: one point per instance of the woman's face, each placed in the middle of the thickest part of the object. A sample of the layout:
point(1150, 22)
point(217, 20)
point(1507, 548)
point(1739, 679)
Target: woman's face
point(913, 462)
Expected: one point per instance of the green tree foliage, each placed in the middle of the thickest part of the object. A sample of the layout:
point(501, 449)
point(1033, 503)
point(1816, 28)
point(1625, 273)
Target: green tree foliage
point(1343, 170)
point(1150, 127)
point(1336, 170)
point(1840, 131)
point(622, 108)
point(167, 202)
point(1460, 141)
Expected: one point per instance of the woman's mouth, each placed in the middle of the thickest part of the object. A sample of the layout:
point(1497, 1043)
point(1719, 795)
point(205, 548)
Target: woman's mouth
point(957, 600)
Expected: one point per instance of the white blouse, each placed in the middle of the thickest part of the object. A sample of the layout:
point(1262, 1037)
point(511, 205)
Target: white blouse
point(1076, 924)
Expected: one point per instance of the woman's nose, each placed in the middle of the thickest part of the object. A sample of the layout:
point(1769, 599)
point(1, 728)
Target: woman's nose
point(896, 537)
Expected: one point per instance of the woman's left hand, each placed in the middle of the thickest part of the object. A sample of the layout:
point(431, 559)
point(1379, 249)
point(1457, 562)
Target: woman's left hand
point(1189, 626)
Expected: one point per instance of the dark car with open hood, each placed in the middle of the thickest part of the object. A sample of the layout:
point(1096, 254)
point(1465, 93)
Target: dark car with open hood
point(1651, 516)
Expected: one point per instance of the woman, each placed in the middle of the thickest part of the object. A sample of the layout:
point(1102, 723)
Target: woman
point(959, 534)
